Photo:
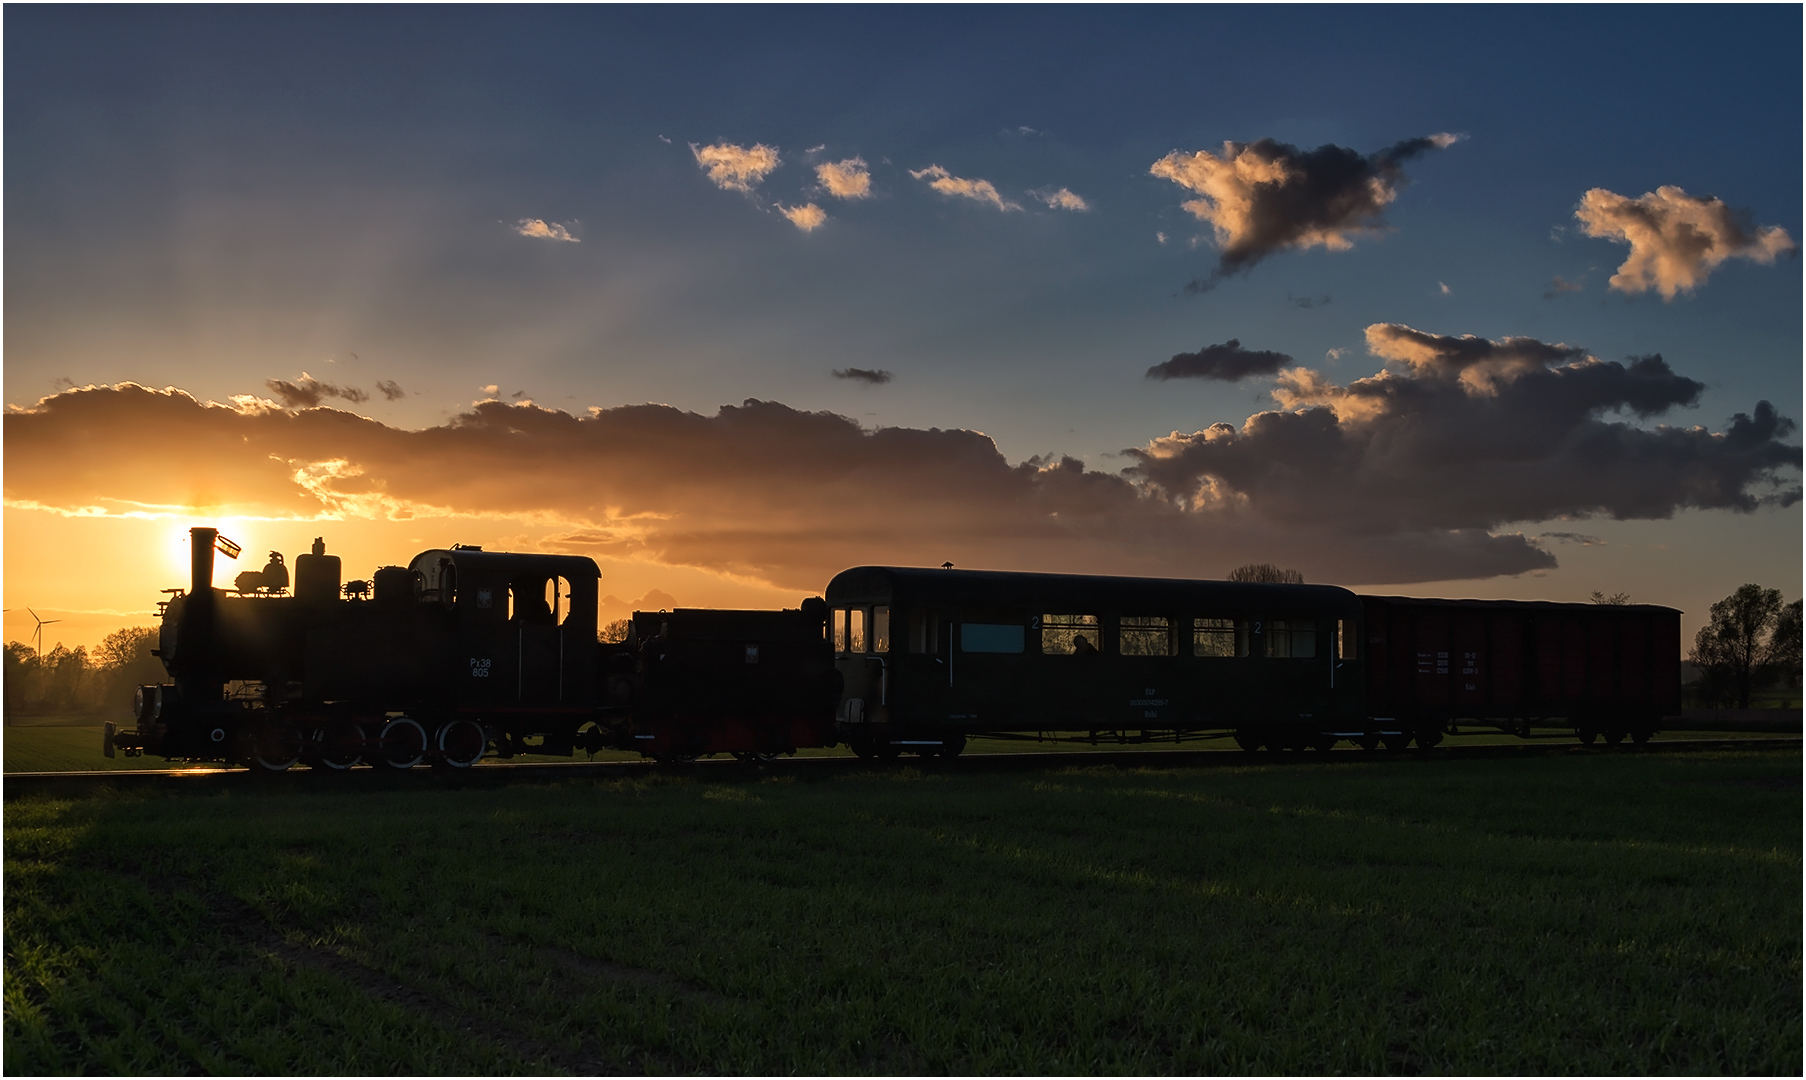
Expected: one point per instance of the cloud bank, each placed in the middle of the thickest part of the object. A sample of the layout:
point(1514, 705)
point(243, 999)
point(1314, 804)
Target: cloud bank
point(1398, 477)
point(1464, 433)
point(1227, 362)
point(1267, 196)
point(736, 168)
point(977, 190)
point(1676, 239)
point(848, 179)
point(874, 376)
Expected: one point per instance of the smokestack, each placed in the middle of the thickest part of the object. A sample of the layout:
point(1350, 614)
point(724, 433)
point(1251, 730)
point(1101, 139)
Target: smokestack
point(200, 563)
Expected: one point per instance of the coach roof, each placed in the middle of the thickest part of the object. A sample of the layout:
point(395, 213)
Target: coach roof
point(876, 584)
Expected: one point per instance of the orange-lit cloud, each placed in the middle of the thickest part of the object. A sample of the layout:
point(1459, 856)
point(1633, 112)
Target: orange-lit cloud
point(1062, 199)
point(736, 168)
point(847, 179)
point(1473, 433)
point(1266, 196)
point(541, 230)
point(807, 218)
point(1403, 484)
point(1676, 239)
point(977, 190)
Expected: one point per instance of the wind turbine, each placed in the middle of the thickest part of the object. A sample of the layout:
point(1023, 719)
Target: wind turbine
point(42, 623)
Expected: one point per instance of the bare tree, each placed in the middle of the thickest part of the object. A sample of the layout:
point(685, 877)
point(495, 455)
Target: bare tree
point(1617, 599)
point(1266, 574)
point(1733, 649)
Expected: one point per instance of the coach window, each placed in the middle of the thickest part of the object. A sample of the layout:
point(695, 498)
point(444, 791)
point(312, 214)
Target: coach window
point(1145, 635)
point(976, 637)
point(924, 630)
point(1345, 639)
point(1061, 635)
point(839, 621)
point(856, 630)
point(1295, 638)
point(880, 629)
point(1219, 637)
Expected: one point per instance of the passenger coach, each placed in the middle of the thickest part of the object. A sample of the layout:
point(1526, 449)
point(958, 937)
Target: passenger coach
point(932, 657)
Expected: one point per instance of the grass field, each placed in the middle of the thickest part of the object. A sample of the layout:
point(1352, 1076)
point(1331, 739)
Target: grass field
point(1599, 914)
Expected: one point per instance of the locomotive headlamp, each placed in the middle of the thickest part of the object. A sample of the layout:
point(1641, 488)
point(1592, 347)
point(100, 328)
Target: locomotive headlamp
point(227, 547)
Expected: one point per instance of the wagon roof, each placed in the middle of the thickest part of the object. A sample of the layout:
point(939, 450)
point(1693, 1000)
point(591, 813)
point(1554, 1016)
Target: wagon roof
point(1531, 605)
point(574, 567)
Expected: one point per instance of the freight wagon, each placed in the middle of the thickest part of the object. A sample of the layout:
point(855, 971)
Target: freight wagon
point(1604, 670)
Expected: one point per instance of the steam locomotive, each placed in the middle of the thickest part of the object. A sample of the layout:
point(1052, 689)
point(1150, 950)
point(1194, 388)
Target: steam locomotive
point(465, 653)
point(460, 654)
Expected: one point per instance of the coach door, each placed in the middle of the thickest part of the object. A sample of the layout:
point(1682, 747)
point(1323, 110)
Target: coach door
point(861, 637)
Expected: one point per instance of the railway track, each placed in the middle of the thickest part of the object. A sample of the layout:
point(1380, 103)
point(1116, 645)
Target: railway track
point(213, 780)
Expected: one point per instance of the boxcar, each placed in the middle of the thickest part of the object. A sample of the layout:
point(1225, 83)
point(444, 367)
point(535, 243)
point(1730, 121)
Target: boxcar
point(1603, 669)
point(932, 657)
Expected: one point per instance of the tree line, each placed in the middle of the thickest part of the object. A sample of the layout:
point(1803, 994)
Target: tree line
point(65, 680)
point(1751, 640)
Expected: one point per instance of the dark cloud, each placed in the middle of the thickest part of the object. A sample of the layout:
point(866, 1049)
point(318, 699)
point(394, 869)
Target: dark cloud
point(1308, 302)
point(876, 377)
point(1267, 196)
point(1559, 285)
point(390, 390)
point(1582, 539)
point(307, 392)
point(1475, 434)
point(1226, 362)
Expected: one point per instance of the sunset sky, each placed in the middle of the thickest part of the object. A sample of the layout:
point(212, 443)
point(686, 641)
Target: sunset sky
point(1497, 302)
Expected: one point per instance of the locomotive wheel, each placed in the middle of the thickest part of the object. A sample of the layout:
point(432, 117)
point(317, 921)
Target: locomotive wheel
point(1324, 742)
point(1428, 738)
point(1586, 735)
point(1614, 736)
point(1396, 742)
point(1641, 735)
point(951, 748)
point(461, 743)
point(403, 743)
point(276, 746)
point(1246, 739)
point(1368, 742)
point(340, 745)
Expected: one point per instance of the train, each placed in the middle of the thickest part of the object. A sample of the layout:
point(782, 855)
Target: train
point(466, 654)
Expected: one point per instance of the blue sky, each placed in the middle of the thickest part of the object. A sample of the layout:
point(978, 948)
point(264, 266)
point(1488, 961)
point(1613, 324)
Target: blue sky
point(213, 199)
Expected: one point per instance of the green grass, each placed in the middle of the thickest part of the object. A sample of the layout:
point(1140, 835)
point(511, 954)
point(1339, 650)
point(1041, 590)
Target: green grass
point(1619, 914)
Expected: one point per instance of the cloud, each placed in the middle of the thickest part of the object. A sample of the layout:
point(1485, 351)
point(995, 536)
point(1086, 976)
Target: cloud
point(1061, 199)
point(1559, 285)
point(1267, 196)
point(1676, 239)
point(1407, 475)
point(736, 168)
point(1462, 433)
point(876, 377)
point(540, 230)
point(978, 190)
point(1308, 302)
point(307, 392)
point(1160, 237)
point(390, 390)
point(492, 389)
point(1574, 538)
point(807, 218)
point(1444, 287)
point(1227, 362)
point(848, 179)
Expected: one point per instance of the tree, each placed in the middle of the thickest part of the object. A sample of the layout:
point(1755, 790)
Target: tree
point(1781, 661)
point(1617, 599)
point(615, 633)
point(1733, 648)
point(1266, 574)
